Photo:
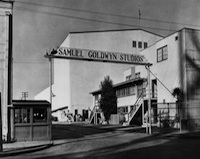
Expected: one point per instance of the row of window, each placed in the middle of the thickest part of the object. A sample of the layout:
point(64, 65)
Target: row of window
point(124, 109)
point(139, 44)
point(126, 91)
point(24, 115)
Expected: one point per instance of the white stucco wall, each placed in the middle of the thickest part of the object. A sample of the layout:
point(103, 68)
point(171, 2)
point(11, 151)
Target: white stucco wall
point(166, 71)
point(126, 101)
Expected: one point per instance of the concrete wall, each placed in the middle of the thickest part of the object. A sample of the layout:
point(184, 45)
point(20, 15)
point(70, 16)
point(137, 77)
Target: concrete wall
point(191, 105)
point(5, 10)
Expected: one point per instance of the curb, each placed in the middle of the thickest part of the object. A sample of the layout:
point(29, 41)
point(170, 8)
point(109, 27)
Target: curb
point(14, 152)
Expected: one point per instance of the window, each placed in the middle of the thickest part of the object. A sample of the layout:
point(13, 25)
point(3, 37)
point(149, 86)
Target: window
point(176, 38)
point(39, 115)
point(140, 90)
point(162, 54)
point(145, 45)
point(125, 91)
point(22, 115)
point(134, 44)
point(132, 90)
point(128, 78)
point(140, 44)
point(137, 75)
point(122, 110)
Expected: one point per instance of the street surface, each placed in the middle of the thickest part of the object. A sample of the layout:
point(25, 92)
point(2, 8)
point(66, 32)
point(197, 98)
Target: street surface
point(86, 141)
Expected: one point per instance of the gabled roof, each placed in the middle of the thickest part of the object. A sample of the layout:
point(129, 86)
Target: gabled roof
point(123, 84)
point(119, 30)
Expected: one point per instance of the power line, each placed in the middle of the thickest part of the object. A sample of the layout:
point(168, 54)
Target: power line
point(109, 14)
point(92, 20)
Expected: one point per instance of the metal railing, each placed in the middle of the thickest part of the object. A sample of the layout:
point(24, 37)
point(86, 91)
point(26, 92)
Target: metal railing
point(135, 108)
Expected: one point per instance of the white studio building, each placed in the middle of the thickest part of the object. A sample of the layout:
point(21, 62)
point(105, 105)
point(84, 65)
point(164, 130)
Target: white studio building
point(175, 64)
point(74, 80)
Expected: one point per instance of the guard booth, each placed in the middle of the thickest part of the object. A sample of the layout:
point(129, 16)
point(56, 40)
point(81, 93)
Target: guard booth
point(32, 120)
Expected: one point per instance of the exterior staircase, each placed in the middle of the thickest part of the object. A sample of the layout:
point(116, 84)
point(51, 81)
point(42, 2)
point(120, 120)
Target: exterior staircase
point(95, 115)
point(92, 115)
point(134, 109)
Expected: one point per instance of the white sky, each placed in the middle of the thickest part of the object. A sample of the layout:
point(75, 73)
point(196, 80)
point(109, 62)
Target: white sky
point(40, 25)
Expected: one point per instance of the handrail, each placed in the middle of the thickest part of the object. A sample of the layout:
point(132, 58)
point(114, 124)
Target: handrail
point(137, 106)
point(93, 111)
point(92, 114)
point(139, 98)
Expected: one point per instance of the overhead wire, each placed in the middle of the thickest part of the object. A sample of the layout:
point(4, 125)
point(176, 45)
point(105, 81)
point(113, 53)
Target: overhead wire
point(108, 14)
point(92, 20)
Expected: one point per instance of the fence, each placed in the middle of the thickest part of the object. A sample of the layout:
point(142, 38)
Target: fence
point(184, 115)
point(168, 115)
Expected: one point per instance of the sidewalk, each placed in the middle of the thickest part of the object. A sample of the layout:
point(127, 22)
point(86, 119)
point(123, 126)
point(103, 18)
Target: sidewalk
point(15, 148)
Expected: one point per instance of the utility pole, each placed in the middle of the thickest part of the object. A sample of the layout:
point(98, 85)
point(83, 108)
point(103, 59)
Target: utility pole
point(149, 100)
point(50, 88)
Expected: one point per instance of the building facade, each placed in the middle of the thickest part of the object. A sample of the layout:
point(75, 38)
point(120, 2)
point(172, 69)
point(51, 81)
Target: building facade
point(74, 80)
point(175, 64)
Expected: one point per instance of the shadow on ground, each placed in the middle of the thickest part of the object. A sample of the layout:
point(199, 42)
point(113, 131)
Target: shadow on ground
point(72, 131)
point(163, 144)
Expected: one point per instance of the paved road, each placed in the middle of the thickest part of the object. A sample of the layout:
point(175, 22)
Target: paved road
point(109, 142)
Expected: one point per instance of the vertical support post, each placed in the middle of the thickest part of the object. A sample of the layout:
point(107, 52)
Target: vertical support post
point(50, 78)
point(180, 117)
point(50, 87)
point(143, 113)
point(149, 100)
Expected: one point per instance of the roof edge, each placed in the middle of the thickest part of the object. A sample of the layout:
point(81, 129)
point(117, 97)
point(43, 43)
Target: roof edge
point(117, 30)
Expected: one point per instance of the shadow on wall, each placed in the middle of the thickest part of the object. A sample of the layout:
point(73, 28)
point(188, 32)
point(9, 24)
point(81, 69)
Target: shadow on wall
point(190, 76)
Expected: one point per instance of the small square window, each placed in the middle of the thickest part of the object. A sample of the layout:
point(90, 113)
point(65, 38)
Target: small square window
point(176, 38)
point(140, 44)
point(134, 44)
point(145, 45)
point(137, 75)
point(128, 77)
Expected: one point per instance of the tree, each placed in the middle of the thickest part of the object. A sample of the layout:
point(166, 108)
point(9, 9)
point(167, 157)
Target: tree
point(108, 101)
point(177, 93)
